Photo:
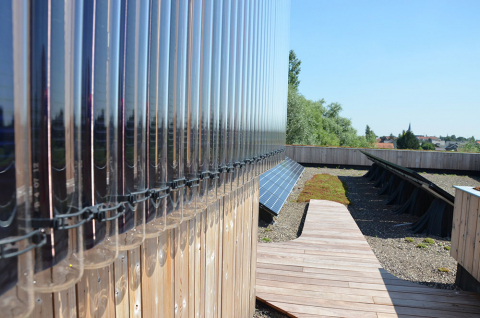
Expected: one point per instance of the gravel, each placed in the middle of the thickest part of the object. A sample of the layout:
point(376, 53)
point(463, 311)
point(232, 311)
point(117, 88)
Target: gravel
point(446, 181)
point(383, 230)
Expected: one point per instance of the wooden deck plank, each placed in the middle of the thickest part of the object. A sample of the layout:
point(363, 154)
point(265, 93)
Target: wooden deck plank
point(330, 271)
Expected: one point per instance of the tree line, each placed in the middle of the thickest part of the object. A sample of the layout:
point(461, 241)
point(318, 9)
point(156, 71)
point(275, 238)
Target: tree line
point(316, 123)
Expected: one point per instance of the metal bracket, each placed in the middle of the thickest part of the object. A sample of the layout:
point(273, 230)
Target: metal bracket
point(38, 238)
point(215, 175)
point(177, 184)
point(222, 169)
point(192, 183)
point(204, 175)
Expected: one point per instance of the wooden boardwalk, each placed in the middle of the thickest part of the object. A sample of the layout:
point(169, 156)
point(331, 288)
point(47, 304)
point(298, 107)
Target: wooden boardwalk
point(330, 271)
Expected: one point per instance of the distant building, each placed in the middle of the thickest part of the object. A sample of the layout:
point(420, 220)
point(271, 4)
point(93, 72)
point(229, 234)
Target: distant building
point(427, 138)
point(385, 145)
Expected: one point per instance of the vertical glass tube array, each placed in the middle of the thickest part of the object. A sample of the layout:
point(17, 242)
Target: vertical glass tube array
point(55, 78)
point(17, 269)
point(239, 71)
point(132, 121)
point(224, 99)
point(126, 118)
point(229, 45)
point(176, 111)
point(99, 130)
point(157, 115)
point(195, 8)
point(215, 99)
point(204, 102)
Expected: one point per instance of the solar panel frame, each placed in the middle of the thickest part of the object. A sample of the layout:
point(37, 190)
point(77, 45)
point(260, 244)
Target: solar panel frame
point(277, 183)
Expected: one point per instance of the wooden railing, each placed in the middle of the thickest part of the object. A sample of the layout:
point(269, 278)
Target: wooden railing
point(466, 230)
point(204, 268)
point(406, 158)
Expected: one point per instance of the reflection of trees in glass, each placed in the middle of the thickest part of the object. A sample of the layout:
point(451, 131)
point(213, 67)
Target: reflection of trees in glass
point(100, 141)
point(7, 140)
point(7, 173)
point(58, 141)
point(130, 140)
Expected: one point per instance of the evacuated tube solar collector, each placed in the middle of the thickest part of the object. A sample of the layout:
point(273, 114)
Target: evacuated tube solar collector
point(135, 109)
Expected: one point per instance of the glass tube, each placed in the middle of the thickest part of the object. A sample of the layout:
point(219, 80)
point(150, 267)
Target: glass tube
point(99, 111)
point(176, 109)
point(14, 171)
point(204, 103)
point(192, 106)
point(263, 64)
point(55, 78)
point(215, 101)
point(243, 175)
point(248, 82)
point(254, 93)
point(232, 90)
point(240, 68)
point(258, 82)
point(224, 185)
point(158, 59)
point(132, 119)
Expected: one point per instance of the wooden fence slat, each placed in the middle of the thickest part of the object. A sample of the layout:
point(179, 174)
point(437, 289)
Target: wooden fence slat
point(228, 260)
point(463, 225)
point(210, 261)
point(65, 303)
point(134, 283)
point(180, 257)
point(121, 285)
point(191, 267)
point(151, 278)
point(220, 239)
point(457, 214)
point(95, 293)
point(253, 277)
point(476, 253)
point(470, 234)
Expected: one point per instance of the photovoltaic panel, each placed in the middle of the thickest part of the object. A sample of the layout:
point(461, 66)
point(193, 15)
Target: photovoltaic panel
point(277, 183)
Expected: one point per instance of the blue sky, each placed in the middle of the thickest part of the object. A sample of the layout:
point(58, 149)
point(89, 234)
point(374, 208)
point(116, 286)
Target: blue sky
point(393, 62)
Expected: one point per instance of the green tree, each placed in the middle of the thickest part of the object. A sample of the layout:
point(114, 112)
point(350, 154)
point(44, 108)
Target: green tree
point(314, 123)
point(470, 146)
point(293, 69)
point(407, 140)
point(370, 135)
point(428, 146)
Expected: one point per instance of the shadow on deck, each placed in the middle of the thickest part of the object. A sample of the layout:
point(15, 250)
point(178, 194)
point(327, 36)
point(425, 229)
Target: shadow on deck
point(331, 271)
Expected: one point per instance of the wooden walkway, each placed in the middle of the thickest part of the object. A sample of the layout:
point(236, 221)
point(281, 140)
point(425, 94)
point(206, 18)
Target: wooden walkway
point(330, 271)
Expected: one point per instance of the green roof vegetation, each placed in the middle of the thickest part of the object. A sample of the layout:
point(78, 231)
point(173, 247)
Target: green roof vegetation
point(324, 187)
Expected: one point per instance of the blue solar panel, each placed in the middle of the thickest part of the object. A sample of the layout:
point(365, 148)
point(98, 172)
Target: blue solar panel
point(277, 183)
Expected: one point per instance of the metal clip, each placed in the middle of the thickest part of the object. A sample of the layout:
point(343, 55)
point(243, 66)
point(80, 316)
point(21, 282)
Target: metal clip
point(222, 169)
point(237, 164)
point(215, 175)
point(192, 183)
point(176, 184)
point(156, 194)
point(204, 175)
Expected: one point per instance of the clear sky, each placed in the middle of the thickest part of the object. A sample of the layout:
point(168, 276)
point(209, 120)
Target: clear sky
point(392, 62)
